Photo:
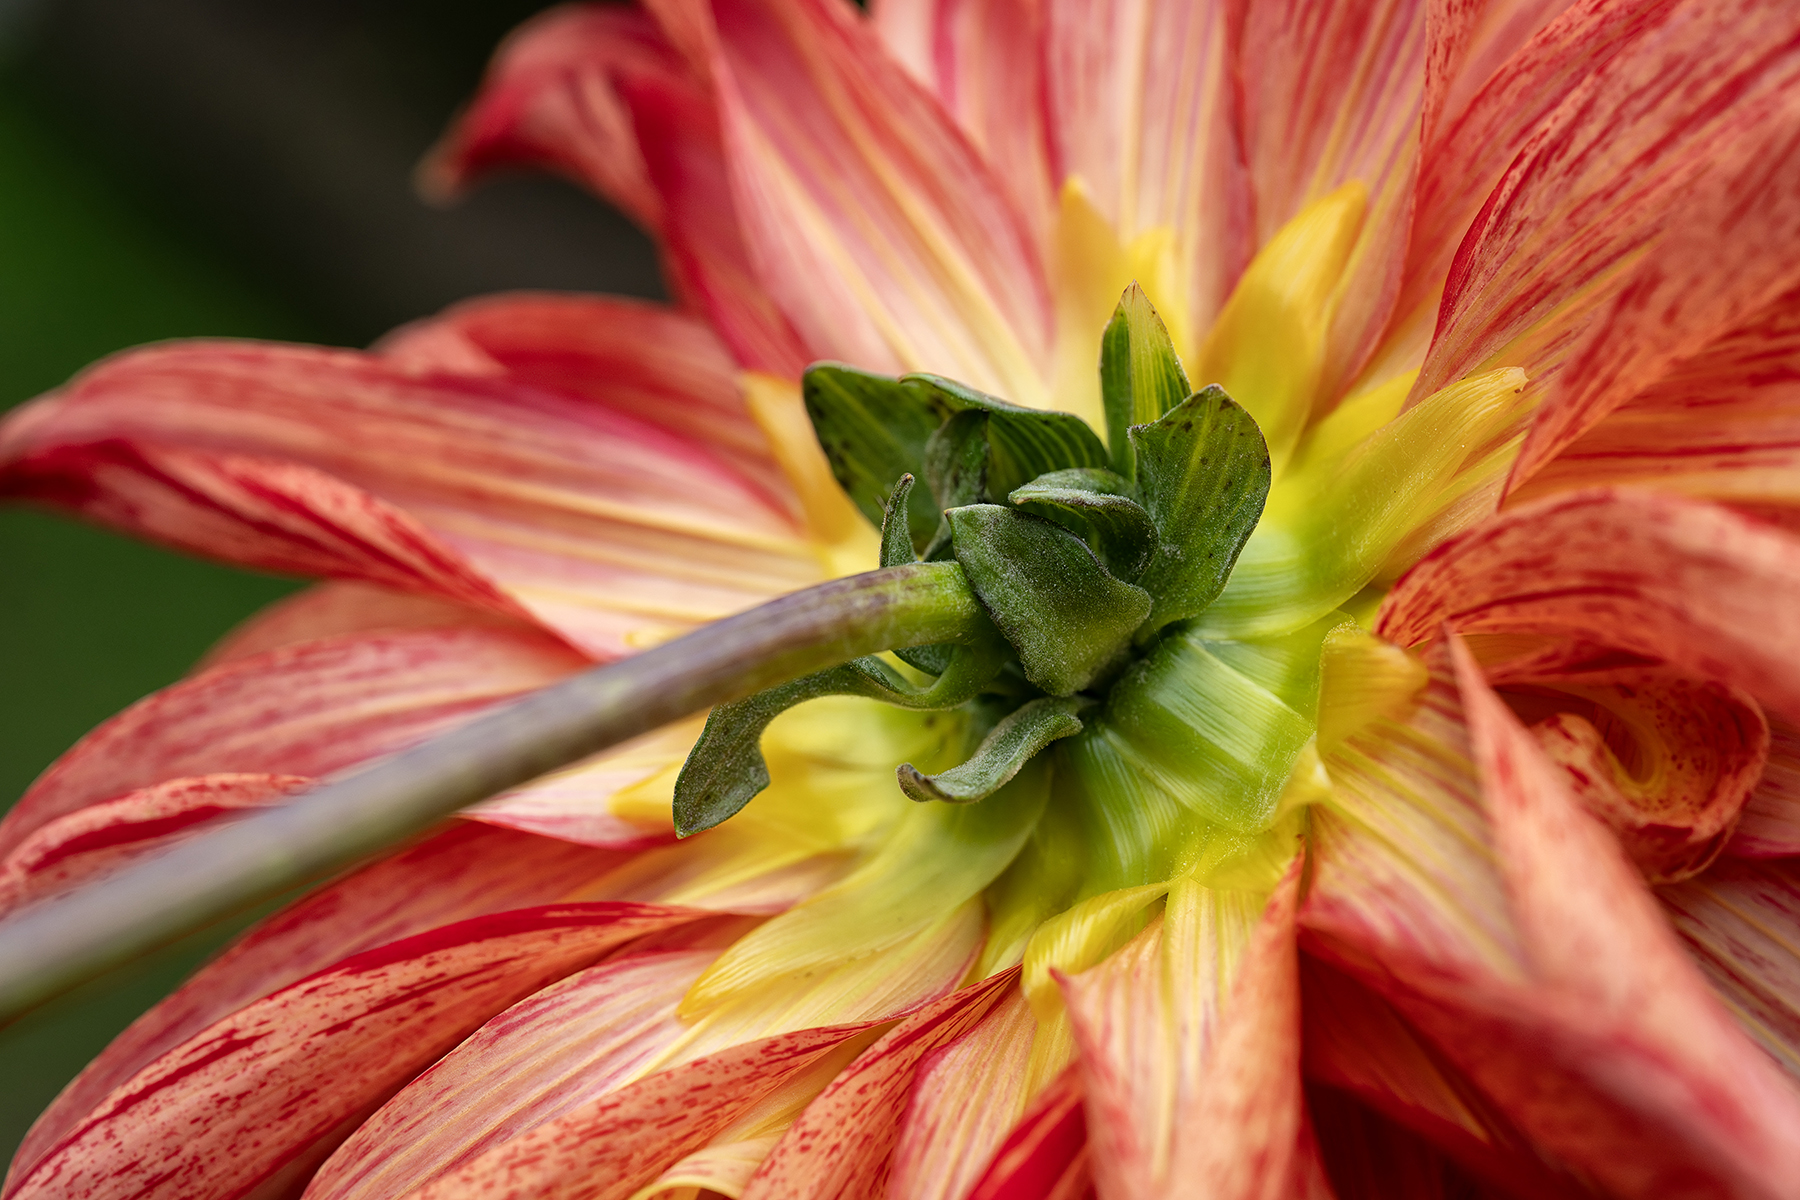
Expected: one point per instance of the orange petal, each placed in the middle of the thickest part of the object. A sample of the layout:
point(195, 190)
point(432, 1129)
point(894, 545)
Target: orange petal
point(1141, 109)
point(308, 710)
point(1045, 1157)
point(1190, 1051)
point(1741, 923)
point(260, 1097)
point(873, 222)
point(1332, 93)
point(840, 1146)
point(1656, 576)
point(485, 490)
point(101, 837)
point(540, 1059)
point(1618, 241)
point(1769, 826)
point(467, 871)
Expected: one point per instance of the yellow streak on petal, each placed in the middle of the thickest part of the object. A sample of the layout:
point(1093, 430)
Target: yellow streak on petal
point(1362, 679)
point(843, 540)
point(1267, 349)
point(1075, 940)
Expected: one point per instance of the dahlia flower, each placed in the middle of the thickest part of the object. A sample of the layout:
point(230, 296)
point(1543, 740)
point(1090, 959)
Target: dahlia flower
point(1367, 761)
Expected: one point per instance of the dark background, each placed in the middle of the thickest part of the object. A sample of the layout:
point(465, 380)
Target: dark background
point(171, 168)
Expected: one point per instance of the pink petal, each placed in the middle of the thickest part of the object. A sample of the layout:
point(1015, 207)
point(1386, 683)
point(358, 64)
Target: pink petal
point(551, 99)
point(1741, 924)
point(467, 871)
point(308, 710)
point(1193, 1076)
point(841, 1144)
point(1332, 93)
point(1142, 109)
point(540, 1059)
point(983, 60)
point(1046, 1154)
point(609, 1147)
point(484, 490)
point(1723, 426)
point(1653, 575)
point(964, 1105)
point(1769, 826)
point(872, 221)
point(261, 1096)
point(1473, 41)
point(1619, 241)
point(94, 840)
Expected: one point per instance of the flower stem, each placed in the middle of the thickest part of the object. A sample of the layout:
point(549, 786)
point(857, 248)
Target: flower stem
point(61, 943)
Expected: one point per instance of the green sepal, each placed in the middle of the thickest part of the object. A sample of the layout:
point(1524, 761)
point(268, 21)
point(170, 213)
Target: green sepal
point(1011, 744)
point(1065, 614)
point(725, 770)
point(1140, 376)
point(1023, 443)
point(1096, 505)
point(1203, 473)
point(873, 429)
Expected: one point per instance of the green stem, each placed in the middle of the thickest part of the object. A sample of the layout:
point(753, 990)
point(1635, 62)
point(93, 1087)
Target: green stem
point(55, 946)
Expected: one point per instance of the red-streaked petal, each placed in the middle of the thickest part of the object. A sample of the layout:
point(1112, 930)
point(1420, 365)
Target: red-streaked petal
point(705, 249)
point(1142, 108)
point(1493, 84)
point(594, 347)
point(1356, 1041)
point(260, 1097)
point(1723, 426)
point(608, 1148)
point(1741, 922)
point(1619, 241)
point(964, 1105)
point(101, 837)
point(540, 1059)
point(1620, 1008)
point(1191, 1067)
point(1666, 762)
point(1332, 93)
point(338, 608)
point(1046, 1154)
point(872, 221)
point(841, 1144)
point(983, 60)
point(467, 871)
point(255, 511)
point(307, 710)
point(1769, 826)
point(551, 99)
point(485, 490)
point(1658, 576)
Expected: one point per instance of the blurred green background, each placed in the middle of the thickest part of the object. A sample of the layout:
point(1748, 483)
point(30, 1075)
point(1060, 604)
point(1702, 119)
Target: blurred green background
point(171, 168)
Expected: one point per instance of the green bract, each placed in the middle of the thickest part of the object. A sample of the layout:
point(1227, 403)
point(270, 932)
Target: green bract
point(1092, 563)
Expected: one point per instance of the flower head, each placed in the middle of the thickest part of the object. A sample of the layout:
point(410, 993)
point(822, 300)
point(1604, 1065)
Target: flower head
point(1366, 758)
